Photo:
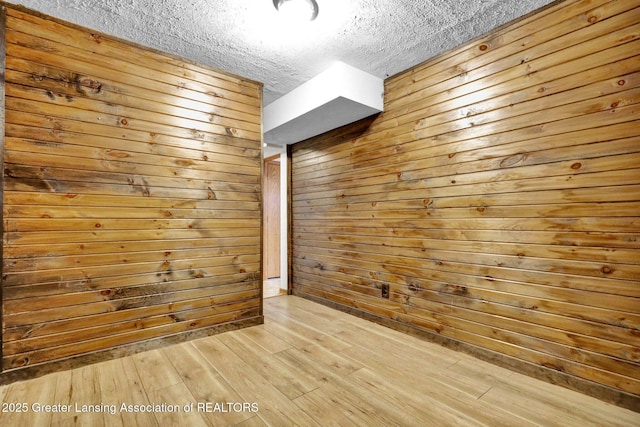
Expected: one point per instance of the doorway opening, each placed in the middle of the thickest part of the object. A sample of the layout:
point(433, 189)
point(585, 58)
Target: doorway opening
point(272, 228)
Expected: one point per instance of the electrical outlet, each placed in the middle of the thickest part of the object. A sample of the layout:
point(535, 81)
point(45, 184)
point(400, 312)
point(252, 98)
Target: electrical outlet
point(385, 290)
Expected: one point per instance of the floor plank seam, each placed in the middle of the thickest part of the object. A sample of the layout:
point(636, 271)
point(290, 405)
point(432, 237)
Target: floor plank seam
point(482, 395)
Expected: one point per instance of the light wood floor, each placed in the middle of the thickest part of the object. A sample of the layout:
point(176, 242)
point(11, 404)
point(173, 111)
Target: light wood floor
point(271, 288)
point(307, 365)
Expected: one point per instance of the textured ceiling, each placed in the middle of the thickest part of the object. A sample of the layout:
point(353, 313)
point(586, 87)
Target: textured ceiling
point(247, 37)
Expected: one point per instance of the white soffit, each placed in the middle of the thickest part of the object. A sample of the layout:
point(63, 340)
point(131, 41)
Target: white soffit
point(338, 96)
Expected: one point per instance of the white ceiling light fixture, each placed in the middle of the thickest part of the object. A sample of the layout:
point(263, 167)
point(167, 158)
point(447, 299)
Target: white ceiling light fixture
point(298, 10)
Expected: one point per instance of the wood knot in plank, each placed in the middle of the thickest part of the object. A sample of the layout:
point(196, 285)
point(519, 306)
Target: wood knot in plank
point(211, 195)
point(513, 160)
point(606, 269)
point(461, 72)
point(20, 362)
point(81, 85)
point(196, 274)
point(552, 366)
point(458, 290)
point(414, 287)
point(184, 162)
point(197, 134)
point(119, 155)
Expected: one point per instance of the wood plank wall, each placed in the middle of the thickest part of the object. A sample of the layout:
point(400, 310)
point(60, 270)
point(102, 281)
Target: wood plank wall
point(131, 206)
point(498, 199)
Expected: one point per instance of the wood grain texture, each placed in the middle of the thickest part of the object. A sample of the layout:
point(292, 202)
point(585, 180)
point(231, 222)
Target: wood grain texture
point(309, 365)
point(496, 198)
point(132, 197)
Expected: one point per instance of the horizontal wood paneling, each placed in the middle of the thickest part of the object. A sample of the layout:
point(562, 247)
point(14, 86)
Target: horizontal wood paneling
point(131, 208)
point(497, 197)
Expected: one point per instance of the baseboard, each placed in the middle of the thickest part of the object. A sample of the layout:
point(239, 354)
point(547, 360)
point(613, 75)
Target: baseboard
point(123, 351)
point(589, 388)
